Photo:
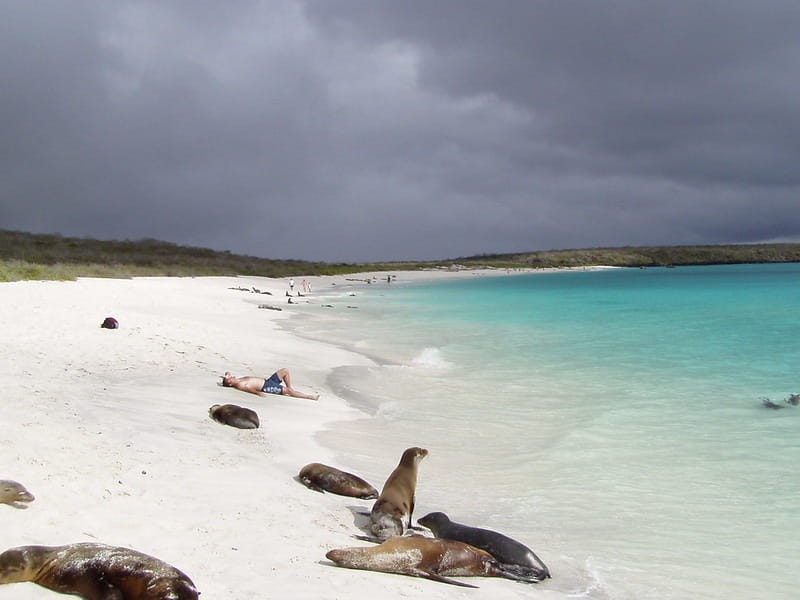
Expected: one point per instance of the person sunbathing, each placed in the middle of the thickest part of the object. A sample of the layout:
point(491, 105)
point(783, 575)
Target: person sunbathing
point(277, 383)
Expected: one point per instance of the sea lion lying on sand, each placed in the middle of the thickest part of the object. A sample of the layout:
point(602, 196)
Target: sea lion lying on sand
point(235, 416)
point(323, 478)
point(12, 492)
point(420, 556)
point(96, 572)
point(511, 554)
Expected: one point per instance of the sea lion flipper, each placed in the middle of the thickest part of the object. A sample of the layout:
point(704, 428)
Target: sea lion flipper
point(366, 538)
point(436, 577)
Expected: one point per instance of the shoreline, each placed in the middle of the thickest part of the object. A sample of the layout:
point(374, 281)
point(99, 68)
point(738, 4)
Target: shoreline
point(100, 423)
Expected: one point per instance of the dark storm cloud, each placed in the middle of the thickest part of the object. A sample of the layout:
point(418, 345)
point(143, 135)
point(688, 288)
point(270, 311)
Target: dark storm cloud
point(375, 129)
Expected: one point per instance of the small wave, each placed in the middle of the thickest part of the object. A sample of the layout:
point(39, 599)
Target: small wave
point(430, 358)
point(390, 410)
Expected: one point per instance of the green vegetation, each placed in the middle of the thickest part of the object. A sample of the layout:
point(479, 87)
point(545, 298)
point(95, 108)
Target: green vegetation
point(32, 256)
point(645, 256)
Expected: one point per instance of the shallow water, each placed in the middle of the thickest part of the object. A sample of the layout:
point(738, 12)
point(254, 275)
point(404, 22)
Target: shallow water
point(612, 420)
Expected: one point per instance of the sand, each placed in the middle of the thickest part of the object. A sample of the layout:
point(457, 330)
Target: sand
point(109, 429)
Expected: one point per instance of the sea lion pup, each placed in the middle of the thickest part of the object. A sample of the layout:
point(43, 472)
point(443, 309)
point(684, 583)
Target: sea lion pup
point(420, 556)
point(12, 492)
point(235, 416)
point(511, 554)
point(391, 513)
point(96, 572)
point(323, 478)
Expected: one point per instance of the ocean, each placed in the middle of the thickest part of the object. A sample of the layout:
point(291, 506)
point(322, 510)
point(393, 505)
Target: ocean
point(612, 420)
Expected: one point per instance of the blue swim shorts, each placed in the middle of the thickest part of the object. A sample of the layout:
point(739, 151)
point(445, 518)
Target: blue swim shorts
point(272, 385)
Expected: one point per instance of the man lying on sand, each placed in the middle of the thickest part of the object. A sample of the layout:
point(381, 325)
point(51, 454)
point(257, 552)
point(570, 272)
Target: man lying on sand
point(277, 383)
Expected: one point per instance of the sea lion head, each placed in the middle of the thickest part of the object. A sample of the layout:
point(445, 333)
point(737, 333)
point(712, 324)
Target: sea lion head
point(434, 521)
point(213, 409)
point(336, 555)
point(18, 564)
point(11, 491)
point(412, 456)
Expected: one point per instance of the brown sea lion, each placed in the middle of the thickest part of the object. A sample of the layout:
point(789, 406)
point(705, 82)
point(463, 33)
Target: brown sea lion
point(509, 552)
point(391, 513)
point(323, 478)
point(420, 556)
point(12, 492)
point(235, 416)
point(96, 572)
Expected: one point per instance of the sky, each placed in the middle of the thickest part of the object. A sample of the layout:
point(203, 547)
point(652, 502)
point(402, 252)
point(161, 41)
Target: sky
point(374, 130)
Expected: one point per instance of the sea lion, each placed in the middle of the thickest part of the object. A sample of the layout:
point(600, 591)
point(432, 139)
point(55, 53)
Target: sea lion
point(96, 572)
point(323, 478)
point(12, 492)
point(420, 556)
point(767, 403)
point(235, 416)
point(391, 513)
point(510, 553)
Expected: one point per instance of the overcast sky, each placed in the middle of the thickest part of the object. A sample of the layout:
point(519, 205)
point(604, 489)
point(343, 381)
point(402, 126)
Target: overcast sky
point(366, 130)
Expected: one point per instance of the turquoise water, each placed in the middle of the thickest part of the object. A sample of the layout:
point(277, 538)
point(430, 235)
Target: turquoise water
point(611, 420)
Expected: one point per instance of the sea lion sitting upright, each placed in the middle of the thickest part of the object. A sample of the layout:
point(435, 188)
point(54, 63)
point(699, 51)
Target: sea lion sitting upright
point(323, 478)
point(235, 416)
point(12, 492)
point(511, 554)
point(420, 556)
point(96, 572)
point(391, 513)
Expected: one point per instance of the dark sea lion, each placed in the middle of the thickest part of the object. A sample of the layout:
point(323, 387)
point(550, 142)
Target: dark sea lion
point(323, 478)
point(12, 492)
point(235, 416)
point(420, 556)
point(767, 403)
point(96, 572)
point(511, 554)
point(391, 513)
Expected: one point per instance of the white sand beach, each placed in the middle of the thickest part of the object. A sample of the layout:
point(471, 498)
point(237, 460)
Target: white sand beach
point(109, 429)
